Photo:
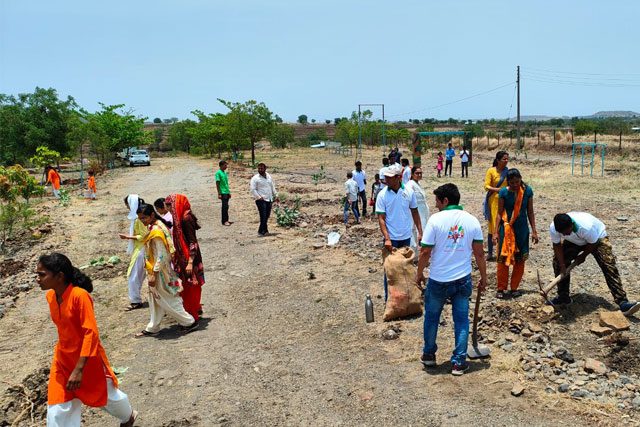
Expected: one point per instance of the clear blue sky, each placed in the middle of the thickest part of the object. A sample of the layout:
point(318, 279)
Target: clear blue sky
point(322, 58)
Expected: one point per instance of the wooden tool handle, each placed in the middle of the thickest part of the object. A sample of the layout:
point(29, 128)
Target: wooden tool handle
point(474, 332)
point(557, 280)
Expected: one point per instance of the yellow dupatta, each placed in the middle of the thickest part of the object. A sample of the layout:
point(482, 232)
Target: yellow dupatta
point(153, 234)
point(509, 247)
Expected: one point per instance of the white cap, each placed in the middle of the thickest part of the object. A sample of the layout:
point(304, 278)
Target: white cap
point(393, 170)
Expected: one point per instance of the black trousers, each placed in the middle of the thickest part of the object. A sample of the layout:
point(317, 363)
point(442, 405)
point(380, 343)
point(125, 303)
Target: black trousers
point(225, 207)
point(448, 165)
point(264, 210)
point(465, 169)
point(362, 197)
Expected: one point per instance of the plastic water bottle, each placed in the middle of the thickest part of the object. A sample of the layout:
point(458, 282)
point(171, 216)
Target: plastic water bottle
point(368, 309)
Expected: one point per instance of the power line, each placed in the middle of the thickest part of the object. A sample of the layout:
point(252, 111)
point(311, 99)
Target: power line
point(578, 83)
point(456, 101)
point(580, 78)
point(585, 74)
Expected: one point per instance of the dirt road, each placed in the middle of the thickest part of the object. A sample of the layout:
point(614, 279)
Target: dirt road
point(276, 347)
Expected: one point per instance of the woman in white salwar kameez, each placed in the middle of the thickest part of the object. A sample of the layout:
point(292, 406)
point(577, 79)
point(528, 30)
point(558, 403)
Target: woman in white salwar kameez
point(164, 284)
point(137, 232)
point(423, 207)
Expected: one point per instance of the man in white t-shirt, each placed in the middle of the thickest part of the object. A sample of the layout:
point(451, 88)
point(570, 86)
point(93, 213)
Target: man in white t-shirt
point(450, 238)
point(397, 211)
point(351, 198)
point(574, 236)
point(464, 162)
point(360, 177)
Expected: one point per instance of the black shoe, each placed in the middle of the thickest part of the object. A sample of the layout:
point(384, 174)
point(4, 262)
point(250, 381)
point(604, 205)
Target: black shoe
point(629, 308)
point(515, 294)
point(428, 360)
point(561, 300)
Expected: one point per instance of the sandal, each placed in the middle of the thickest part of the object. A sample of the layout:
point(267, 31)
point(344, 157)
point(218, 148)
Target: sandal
point(145, 333)
point(134, 306)
point(192, 327)
point(515, 294)
point(132, 420)
point(500, 295)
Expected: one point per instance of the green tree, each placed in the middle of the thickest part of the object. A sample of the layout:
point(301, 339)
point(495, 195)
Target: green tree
point(250, 121)
point(158, 136)
point(317, 136)
point(281, 136)
point(303, 119)
point(157, 120)
point(179, 136)
point(30, 120)
point(109, 130)
point(585, 127)
point(208, 134)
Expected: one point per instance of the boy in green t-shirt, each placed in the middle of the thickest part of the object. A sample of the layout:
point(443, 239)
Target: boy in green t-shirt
point(222, 185)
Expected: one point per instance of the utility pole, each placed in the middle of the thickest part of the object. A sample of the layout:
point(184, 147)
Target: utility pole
point(518, 144)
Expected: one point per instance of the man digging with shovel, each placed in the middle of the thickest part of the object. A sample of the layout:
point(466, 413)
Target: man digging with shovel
point(450, 238)
point(575, 235)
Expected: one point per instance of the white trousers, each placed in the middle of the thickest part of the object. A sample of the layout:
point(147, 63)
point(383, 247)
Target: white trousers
point(161, 303)
point(56, 193)
point(136, 278)
point(68, 414)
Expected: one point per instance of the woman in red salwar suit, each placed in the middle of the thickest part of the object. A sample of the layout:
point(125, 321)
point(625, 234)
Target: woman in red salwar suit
point(187, 260)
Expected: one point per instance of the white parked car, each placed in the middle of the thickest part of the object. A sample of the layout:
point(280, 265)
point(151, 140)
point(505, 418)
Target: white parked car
point(139, 157)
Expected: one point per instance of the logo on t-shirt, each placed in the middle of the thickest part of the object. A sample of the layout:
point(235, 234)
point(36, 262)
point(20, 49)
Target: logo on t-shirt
point(455, 233)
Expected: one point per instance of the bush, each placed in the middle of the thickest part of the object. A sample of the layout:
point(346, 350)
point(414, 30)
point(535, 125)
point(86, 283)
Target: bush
point(44, 156)
point(287, 216)
point(97, 167)
point(317, 136)
point(281, 136)
point(12, 215)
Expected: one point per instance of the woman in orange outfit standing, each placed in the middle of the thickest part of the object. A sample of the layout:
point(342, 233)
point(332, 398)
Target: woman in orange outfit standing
point(80, 371)
point(53, 178)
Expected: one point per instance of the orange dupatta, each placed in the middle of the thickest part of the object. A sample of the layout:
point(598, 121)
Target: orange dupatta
point(509, 248)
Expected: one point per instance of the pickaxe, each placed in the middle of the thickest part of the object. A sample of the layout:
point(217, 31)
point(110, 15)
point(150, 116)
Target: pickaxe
point(544, 290)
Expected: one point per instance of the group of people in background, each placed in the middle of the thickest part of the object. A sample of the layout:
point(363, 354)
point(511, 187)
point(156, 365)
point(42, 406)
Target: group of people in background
point(450, 238)
point(449, 155)
point(164, 249)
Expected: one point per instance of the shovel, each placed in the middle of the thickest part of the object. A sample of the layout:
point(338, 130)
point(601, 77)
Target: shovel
point(476, 351)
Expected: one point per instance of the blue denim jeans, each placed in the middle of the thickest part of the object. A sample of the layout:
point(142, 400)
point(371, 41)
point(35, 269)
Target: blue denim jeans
point(395, 244)
point(434, 298)
point(354, 207)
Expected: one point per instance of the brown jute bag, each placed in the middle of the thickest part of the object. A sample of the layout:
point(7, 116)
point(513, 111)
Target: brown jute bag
point(404, 299)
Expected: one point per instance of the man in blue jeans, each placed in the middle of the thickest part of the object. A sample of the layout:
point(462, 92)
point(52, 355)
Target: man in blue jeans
point(450, 238)
point(449, 155)
point(397, 211)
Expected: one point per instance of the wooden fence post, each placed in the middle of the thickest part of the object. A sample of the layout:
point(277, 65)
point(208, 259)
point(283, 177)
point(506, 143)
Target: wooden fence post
point(554, 137)
point(620, 143)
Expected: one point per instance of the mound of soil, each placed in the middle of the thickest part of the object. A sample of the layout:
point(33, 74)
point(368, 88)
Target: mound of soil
point(10, 267)
point(623, 354)
point(25, 404)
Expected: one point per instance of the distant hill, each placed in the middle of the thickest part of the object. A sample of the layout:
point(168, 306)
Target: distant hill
point(598, 115)
point(608, 114)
